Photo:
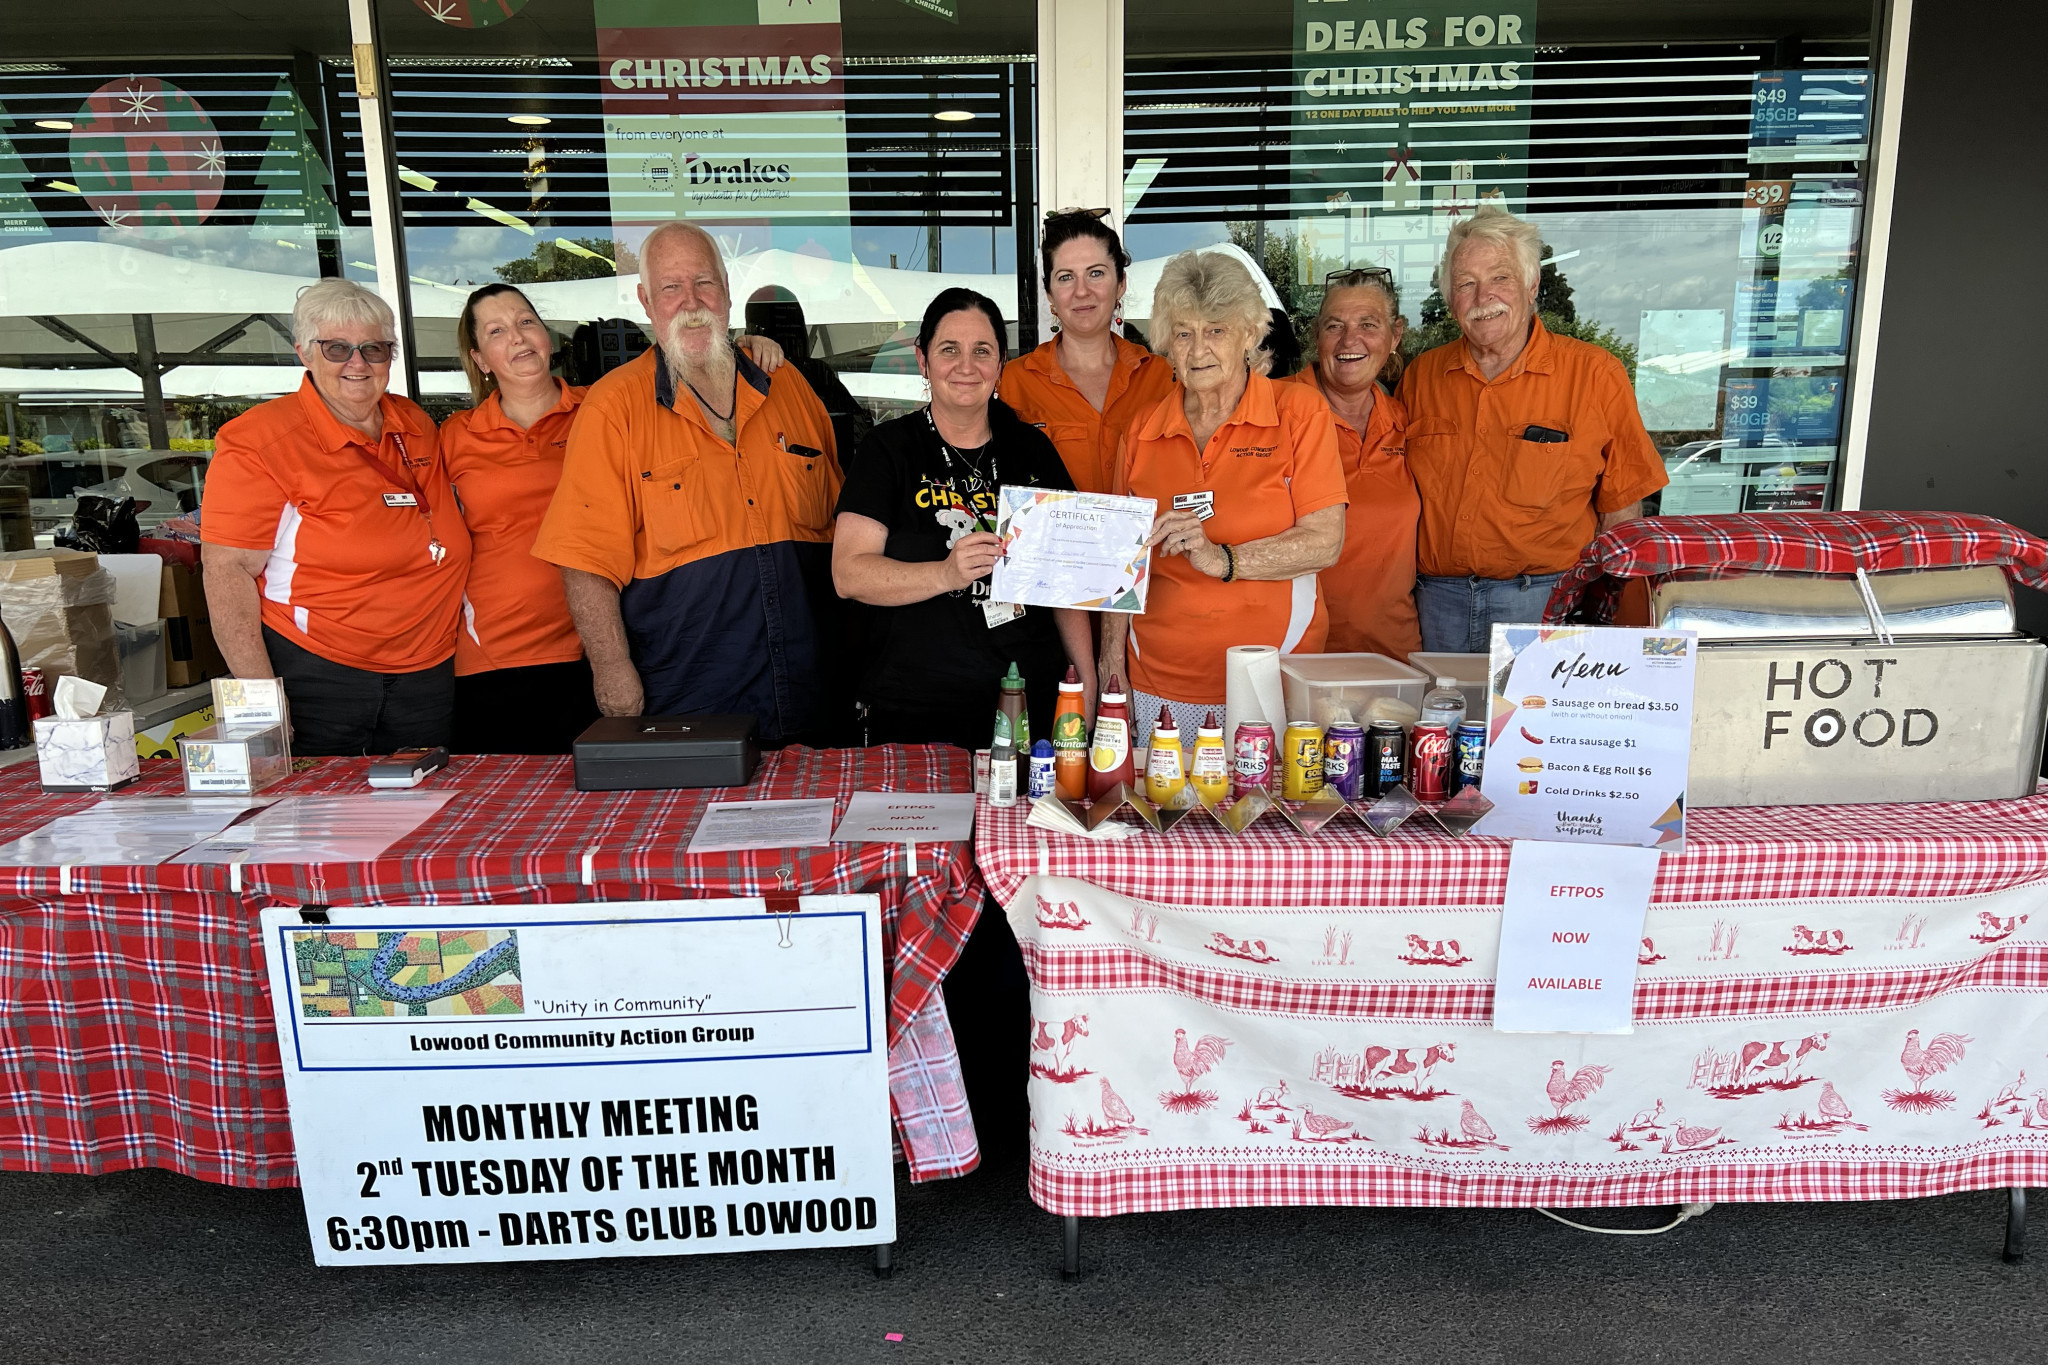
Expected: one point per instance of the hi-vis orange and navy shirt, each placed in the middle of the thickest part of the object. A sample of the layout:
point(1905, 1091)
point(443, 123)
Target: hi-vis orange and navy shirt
point(722, 553)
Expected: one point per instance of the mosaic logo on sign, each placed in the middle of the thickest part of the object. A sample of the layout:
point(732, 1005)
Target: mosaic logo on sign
point(411, 974)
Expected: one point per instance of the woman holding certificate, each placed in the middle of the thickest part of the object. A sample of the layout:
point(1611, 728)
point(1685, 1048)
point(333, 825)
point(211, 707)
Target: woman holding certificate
point(1086, 385)
point(1250, 491)
point(915, 543)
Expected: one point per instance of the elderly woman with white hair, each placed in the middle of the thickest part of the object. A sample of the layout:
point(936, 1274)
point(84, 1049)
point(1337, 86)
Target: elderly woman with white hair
point(1524, 445)
point(335, 553)
point(1251, 499)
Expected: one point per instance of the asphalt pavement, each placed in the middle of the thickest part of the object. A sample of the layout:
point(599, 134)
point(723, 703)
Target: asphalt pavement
point(151, 1266)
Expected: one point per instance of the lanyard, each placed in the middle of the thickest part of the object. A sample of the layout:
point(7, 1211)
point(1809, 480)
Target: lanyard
point(995, 474)
point(436, 551)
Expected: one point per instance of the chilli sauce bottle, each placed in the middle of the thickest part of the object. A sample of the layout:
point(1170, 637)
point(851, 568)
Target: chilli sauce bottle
point(1070, 740)
point(1109, 756)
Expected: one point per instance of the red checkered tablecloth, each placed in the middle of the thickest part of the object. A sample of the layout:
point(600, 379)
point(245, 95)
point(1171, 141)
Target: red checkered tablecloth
point(136, 1029)
point(1793, 542)
point(1831, 1003)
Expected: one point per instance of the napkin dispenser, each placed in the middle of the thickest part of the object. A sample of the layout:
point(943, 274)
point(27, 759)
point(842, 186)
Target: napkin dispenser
point(661, 753)
point(80, 750)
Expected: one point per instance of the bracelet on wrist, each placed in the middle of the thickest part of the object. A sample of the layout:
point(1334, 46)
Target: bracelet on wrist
point(1229, 564)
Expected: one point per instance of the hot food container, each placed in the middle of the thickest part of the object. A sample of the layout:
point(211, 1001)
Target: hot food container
point(1907, 686)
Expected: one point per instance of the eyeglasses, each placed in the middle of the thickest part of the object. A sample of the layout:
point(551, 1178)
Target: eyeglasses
point(374, 352)
point(1097, 214)
point(1358, 274)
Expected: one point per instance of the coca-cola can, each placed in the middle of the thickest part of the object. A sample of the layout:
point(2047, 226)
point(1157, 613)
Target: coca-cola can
point(1429, 762)
point(36, 692)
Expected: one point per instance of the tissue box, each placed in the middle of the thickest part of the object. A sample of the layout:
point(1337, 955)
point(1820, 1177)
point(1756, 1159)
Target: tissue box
point(236, 759)
point(94, 754)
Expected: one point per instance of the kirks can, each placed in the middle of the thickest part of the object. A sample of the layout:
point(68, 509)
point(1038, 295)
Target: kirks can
point(1429, 762)
point(1386, 758)
point(1253, 768)
point(1471, 755)
point(1344, 760)
point(35, 690)
point(1301, 760)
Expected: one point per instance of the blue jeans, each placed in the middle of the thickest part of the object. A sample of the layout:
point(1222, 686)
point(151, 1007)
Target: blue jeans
point(1458, 614)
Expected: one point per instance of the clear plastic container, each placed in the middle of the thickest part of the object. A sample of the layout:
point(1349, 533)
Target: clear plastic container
point(1318, 687)
point(1467, 670)
point(141, 649)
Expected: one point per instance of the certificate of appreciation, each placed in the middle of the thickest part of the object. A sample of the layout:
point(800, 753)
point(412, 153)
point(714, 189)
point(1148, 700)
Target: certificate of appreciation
point(1085, 551)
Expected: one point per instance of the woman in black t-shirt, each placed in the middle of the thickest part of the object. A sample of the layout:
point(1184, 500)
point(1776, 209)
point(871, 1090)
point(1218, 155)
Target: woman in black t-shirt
point(915, 542)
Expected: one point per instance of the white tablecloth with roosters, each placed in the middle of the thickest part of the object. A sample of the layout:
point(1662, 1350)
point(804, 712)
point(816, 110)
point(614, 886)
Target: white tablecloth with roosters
point(1833, 1002)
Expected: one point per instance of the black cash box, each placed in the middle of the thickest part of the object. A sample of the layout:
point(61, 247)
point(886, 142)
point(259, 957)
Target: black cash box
point(660, 753)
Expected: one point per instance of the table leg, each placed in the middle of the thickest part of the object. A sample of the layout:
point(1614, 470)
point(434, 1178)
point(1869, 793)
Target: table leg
point(2016, 1225)
point(884, 1267)
point(1070, 1229)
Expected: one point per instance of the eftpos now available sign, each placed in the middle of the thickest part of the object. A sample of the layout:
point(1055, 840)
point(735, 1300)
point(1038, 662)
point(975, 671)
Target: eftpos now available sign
point(512, 1083)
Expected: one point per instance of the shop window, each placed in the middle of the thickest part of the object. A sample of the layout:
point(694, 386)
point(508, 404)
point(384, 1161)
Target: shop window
point(167, 185)
point(1698, 177)
point(852, 161)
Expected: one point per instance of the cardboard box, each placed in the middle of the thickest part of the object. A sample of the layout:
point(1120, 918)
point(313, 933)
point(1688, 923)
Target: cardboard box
point(190, 655)
point(58, 604)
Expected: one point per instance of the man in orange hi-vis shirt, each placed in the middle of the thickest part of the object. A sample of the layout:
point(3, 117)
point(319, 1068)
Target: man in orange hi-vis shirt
point(335, 554)
point(693, 522)
point(1525, 445)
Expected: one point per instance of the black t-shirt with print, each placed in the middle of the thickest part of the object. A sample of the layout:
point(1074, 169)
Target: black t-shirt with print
point(939, 657)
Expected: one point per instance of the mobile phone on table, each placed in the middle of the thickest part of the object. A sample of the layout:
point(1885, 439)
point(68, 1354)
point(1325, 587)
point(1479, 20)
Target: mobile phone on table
point(407, 767)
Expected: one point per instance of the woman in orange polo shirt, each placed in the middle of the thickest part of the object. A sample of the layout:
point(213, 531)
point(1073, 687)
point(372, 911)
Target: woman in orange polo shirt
point(1370, 590)
point(1084, 387)
point(1250, 493)
point(335, 554)
point(522, 685)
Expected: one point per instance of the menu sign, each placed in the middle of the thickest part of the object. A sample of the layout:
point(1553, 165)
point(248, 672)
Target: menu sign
point(1589, 737)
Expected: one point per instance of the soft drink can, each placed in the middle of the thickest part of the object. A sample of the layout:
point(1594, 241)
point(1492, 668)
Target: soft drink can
point(1301, 768)
point(1471, 754)
point(35, 690)
point(1253, 758)
point(1344, 760)
point(1429, 762)
point(1386, 758)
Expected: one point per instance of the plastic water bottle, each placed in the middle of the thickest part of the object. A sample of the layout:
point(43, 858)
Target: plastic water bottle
point(1444, 705)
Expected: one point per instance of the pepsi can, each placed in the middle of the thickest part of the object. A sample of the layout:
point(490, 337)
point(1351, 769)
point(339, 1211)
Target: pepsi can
point(1386, 754)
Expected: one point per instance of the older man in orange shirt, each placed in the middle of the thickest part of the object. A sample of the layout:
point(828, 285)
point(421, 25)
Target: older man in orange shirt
point(1524, 445)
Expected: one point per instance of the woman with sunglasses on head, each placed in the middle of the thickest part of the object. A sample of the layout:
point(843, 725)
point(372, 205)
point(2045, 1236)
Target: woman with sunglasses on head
point(1370, 590)
point(1087, 384)
point(335, 554)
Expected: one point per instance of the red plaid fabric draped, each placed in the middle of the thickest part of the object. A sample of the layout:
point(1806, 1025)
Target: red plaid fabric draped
point(135, 1027)
point(1793, 542)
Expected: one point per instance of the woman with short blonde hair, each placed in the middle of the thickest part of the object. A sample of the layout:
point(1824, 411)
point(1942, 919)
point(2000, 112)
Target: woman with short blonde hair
point(1250, 498)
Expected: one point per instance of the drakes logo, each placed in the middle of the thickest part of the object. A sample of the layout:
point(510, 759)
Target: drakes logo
point(704, 171)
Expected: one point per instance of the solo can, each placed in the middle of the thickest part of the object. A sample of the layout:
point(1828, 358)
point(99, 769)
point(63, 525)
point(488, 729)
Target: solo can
point(1344, 760)
point(1301, 767)
point(1253, 758)
point(1429, 762)
point(1471, 755)
point(1386, 758)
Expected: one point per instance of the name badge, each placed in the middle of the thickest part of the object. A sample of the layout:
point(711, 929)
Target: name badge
point(1202, 504)
point(400, 500)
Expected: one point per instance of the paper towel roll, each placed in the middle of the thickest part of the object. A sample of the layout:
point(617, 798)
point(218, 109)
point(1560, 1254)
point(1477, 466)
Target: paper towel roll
point(1251, 690)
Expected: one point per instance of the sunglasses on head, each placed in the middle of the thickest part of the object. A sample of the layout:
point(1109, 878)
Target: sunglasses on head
point(374, 352)
point(1097, 214)
point(1358, 274)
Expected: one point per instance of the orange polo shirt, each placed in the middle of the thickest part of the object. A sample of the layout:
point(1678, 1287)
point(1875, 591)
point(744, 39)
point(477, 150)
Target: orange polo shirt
point(1270, 464)
point(1370, 590)
point(1038, 390)
point(349, 525)
point(513, 612)
point(1495, 505)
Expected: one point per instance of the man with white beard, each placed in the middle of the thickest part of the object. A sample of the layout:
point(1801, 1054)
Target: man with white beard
point(1525, 445)
point(693, 522)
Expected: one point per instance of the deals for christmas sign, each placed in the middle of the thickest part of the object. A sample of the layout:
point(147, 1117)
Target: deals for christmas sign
point(510, 1083)
point(1590, 734)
